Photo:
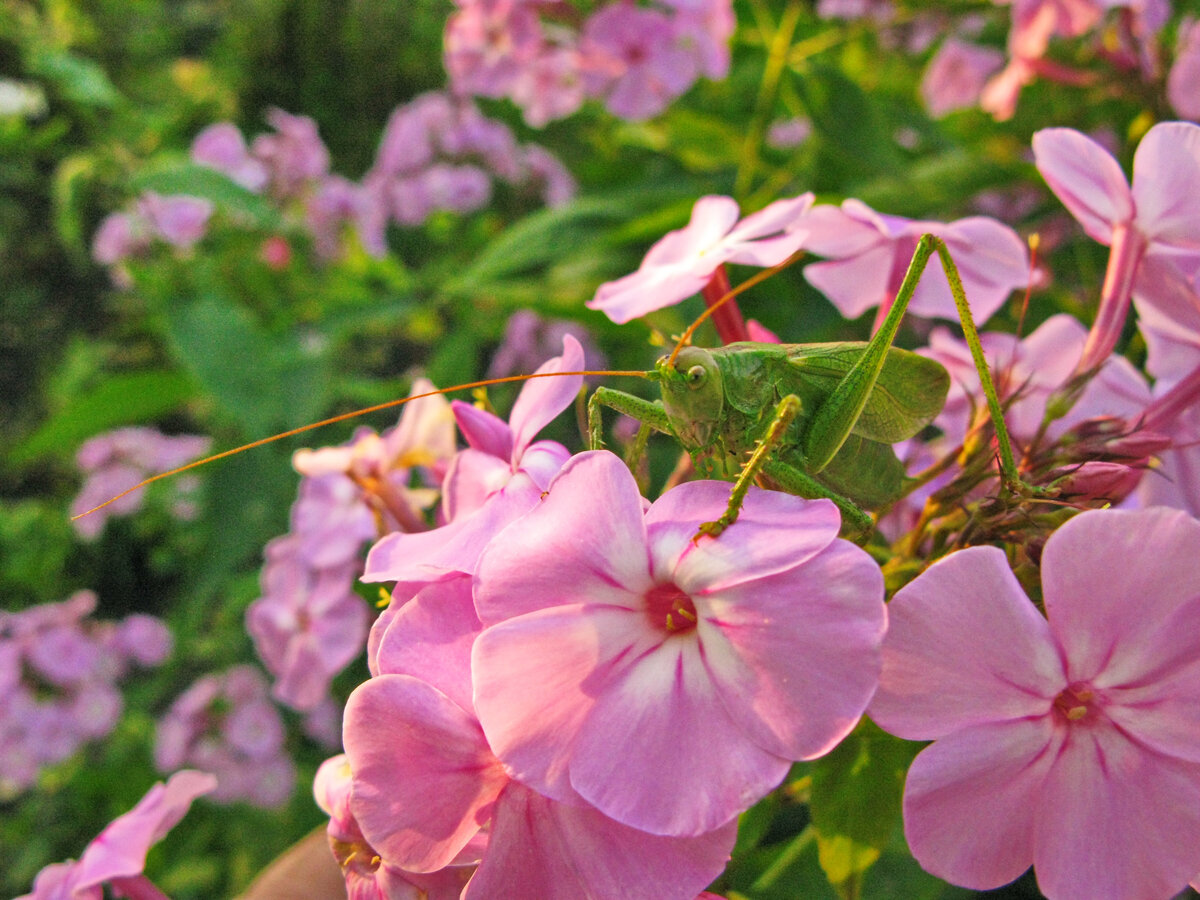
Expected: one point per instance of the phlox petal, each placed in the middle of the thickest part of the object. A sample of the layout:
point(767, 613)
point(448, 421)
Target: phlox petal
point(583, 543)
point(423, 773)
point(1110, 577)
point(548, 850)
point(1166, 185)
point(427, 556)
point(542, 399)
point(967, 801)
point(712, 218)
point(938, 676)
point(1153, 693)
point(774, 532)
point(536, 680)
point(992, 260)
point(803, 651)
point(120, 849)
point(483, 431)
point(1115, 821)
point(473, 476)
point(750, 243)
point(1086, 178)
point(658, 752)
point(854, 284)
point(841, 231)
point(430, 638)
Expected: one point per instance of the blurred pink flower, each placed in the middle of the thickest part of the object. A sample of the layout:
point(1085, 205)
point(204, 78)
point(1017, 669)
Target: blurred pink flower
point(698, 669)
point(221, 146)
point(632, 58)
point(118, 855)
point(956, 75)
point(868, 254)
point(1184, 77)
point(308, 624)
point(295, 155)
point(179, 220)
point(1055, 741)
point(488, 44)
point(683, 261)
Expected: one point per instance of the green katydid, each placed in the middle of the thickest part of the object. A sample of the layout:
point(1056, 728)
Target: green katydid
point(816, 420)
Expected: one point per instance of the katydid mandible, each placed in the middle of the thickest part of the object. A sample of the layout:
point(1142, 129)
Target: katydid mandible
point(817, 420)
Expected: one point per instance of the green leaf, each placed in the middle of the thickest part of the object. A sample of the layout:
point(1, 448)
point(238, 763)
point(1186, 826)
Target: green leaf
point(209, 184)
point(855, 802)
point(118, 400)
point(79, 80)
point(266, 382)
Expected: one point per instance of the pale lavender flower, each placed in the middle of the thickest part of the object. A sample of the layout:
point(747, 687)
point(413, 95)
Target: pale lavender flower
point(784, 134)
point(295, 155)
point(488, 43)
point(181, 221)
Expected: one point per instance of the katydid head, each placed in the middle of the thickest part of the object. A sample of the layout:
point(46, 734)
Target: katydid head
point(692, 393)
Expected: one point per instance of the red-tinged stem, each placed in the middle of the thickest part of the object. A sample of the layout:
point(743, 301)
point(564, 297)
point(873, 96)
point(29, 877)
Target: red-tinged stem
point(728, 318)
point(139, 887)
point(1054, 71)
point(1125, 254)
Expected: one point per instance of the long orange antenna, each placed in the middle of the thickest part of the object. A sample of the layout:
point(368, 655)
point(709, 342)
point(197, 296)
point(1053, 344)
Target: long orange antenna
point(341, 418)
point(744, 286)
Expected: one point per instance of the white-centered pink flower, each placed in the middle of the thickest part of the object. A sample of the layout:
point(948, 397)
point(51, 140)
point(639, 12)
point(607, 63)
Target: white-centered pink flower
point(868, 253)
point(682, 263)
point(1070, 742)
point(670, 682)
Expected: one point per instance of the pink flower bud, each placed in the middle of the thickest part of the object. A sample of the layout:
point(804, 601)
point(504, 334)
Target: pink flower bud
point(1096, 480)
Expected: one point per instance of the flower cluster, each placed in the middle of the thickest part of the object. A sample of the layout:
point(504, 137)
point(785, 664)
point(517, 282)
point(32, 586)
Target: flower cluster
point(115, 461)
point(226, 724)
point(634, 58)
point(502, 705)
point(309, 623)
point(59, 671)
point(437, 152)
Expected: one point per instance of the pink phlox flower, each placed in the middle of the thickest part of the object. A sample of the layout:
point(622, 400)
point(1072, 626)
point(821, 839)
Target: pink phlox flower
point(1185, 72)
point(529, 340)
point(868, 254)
point(683, 261)
point(1028, 372)
point(878, 12)
point(336, 203)
point(956, 75)
point(117, 856)
point(119, 236)
point(613, 642)
point(633, 59)
point(1152, 227)
point(221, 146)
point(1055, 739)
point(488, 44)
point(180, 220)
point(456, 188)
point(784, 134)
point(331, 521)
point(497, 478)
point(295, 155)
point(428, 792)
point(408, 142)
point(308, 624)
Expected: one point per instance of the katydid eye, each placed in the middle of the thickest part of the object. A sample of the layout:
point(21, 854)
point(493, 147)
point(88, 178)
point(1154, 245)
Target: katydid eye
point(696, 375)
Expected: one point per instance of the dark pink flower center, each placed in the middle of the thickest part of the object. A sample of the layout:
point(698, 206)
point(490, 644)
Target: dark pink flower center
point(670, 609)
point(1076, 703)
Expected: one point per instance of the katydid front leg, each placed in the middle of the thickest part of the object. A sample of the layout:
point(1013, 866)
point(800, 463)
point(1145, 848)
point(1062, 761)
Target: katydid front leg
point(835, 418)
point(650, 414)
